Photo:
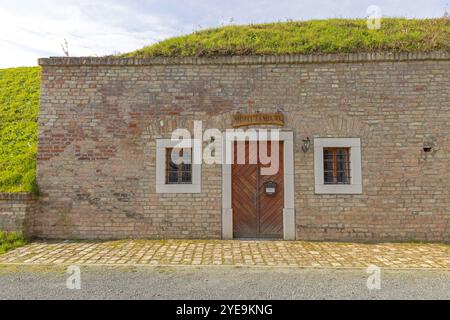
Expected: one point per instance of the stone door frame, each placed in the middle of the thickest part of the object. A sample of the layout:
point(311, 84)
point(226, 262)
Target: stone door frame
point(289, 232)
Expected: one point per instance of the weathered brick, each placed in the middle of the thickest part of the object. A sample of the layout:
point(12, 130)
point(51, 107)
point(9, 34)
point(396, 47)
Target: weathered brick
point(99, 119)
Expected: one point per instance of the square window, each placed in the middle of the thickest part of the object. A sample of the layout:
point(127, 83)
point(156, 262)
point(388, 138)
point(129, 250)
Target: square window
point(178, 166)
point(176, 170)
point(337, 165)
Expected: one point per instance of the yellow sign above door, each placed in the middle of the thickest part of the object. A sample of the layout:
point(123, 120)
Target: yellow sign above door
point(242, 119)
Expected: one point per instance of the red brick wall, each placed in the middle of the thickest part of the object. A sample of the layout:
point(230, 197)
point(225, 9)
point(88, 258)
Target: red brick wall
point(99, 119)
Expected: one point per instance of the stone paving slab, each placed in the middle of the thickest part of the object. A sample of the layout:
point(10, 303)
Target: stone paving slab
point(233, 253)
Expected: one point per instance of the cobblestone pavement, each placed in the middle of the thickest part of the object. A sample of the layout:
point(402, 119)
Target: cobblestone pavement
point(235, 253)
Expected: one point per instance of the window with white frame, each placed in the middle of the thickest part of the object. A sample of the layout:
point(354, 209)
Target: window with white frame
point(176, 171)
point(178, 165)
point(337, 165)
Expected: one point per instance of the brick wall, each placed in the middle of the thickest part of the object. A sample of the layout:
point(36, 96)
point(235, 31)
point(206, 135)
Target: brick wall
point(17, 212)
point(99, 119)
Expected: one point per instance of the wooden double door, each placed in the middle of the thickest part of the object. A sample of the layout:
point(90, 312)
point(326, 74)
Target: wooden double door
point(257, 213)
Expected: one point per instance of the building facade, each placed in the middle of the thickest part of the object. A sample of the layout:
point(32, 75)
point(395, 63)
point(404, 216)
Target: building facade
point(363, 142)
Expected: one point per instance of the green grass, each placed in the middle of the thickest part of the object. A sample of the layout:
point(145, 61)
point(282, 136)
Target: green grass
point(10, 241)
point(308, 37)
point(19, 103)
point(19, 87)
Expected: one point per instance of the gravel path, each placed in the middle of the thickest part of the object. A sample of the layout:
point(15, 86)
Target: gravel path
point(18, 282)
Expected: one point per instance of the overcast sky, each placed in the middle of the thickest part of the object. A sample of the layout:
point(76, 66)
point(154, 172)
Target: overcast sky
point(30, 29)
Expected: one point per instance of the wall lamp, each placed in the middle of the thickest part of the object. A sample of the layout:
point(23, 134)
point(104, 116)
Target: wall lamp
point(427, 146)
point(306, 144)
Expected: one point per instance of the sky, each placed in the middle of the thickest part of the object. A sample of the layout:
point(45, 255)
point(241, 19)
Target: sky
point(31, 29)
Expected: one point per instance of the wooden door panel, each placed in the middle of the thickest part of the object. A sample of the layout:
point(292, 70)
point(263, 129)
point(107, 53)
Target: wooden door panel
point(244, 181)
point(270, 211)
point(256, 214)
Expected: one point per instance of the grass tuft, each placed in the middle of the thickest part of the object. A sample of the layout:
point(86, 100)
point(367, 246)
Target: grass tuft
point(10, 241)
point(307, 37)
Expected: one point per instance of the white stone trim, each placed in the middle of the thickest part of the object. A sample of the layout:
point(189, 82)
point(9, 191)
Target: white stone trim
point(355, 186)
point(289, 232)
point(161, 186)
point(289, 224)
point(227, 223)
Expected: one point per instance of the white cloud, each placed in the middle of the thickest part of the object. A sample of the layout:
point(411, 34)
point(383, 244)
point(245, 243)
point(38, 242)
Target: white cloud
point(90, 29)
point(30, 29)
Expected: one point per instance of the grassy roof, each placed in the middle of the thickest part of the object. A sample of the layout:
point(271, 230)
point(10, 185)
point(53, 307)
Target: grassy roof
point(307, 37)
point(19, 103)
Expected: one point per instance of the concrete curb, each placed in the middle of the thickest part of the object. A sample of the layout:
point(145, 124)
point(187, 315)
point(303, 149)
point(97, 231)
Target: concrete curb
point(217, 266)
